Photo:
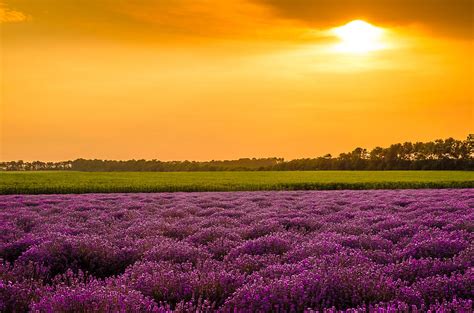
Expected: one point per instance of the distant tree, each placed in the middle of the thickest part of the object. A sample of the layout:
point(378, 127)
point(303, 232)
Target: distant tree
point(447, 154)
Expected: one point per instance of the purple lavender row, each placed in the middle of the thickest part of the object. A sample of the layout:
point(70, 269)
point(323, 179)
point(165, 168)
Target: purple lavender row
point(325, 251)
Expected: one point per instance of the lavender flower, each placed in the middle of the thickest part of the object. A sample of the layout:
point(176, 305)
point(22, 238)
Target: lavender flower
point(302, 251)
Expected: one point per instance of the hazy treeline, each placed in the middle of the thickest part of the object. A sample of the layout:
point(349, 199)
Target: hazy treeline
point(448, 154)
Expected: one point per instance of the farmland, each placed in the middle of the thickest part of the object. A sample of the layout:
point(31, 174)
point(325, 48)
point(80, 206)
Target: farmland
point(57, 182)
point(240, 251)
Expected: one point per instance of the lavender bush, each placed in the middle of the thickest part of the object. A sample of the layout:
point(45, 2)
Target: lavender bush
point(313, 251)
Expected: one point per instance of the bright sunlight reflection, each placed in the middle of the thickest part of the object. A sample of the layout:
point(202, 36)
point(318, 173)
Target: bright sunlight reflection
point(359, 37)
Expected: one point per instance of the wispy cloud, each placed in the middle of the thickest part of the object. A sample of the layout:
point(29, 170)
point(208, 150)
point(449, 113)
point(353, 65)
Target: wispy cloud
point(160, 20)
point(8, 15)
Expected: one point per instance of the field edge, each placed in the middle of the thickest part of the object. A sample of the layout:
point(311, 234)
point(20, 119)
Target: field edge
point(11, 190)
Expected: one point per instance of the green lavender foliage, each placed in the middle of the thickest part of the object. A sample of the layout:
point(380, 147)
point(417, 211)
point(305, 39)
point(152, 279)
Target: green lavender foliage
point(51, 182)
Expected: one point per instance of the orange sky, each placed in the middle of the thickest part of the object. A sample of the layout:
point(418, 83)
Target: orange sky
point(211, 79)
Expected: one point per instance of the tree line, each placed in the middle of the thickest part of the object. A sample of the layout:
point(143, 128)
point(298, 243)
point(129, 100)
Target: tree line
point(447, 154)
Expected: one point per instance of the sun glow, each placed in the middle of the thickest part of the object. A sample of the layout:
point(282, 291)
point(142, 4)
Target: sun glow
point(359, 37)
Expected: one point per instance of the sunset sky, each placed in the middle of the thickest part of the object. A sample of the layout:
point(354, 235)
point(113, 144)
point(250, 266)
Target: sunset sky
point(215, 79)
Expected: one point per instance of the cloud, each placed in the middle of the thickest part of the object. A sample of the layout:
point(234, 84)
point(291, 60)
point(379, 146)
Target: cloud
point(444, 17)
point(265, 20)
point(204, 17)
point(158, 20)
point(11, 16)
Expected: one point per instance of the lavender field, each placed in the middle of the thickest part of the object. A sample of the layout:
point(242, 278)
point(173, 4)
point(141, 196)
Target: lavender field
point(295, 251)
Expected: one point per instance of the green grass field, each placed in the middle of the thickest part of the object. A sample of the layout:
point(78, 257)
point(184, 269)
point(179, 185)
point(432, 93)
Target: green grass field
point(84, 182)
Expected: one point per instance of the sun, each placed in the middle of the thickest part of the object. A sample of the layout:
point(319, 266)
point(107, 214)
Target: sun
point(359, 37)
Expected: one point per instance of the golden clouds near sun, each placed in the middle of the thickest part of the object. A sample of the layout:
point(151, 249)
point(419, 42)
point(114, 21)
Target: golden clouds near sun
point(359, 37)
